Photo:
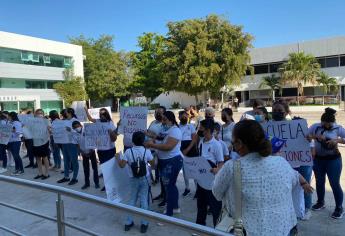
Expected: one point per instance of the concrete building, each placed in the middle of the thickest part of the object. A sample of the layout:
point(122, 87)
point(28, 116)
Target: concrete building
point(30, 66)
point(330, 53)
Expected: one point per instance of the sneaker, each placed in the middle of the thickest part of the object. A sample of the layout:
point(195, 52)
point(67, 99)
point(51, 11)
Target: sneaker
point(128, 227)
point(15, 173)
point(20, 172)
point(158, 197)
point(307, 215)
point(29, 166)
point(85, 186)
point(38, 177)
point(186, 193)
point(45, 177)
point(175, 211)
point(318, 206)
point(143, 228)
point(338, 213)
point(162, 204)
point(63, 180)
point(103, 189)
point(73, 182)
point(2, 170)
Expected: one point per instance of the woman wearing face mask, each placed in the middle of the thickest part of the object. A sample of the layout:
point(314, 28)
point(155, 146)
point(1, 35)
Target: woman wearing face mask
point(70, 149)
point(267, 183)
point(107, 152)
point(227, 127)
point(281, 111)
point(171, 161)
point(41, 149)
point(327, 135)
point(15, 142)
point(261, 115)
point(188, 133)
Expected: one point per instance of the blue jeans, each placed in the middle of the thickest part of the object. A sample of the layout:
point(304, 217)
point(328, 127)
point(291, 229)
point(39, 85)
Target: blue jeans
point(3, 155)
point(333, 170)
point(14, 148)
point(139, 190)
point(306, 172)
point(170, 169)
point(56, 153)
point(70, 155)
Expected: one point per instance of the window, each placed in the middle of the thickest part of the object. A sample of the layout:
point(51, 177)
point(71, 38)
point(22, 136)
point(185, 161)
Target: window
point(46, 59)
point(34, 84)
point(50, 84)
point(25, 56)
point(332, 61)
point(260, 69)
point(322, 62)
point(67, 61)
point(342, 60)
point(274, 67)
point(30, 56)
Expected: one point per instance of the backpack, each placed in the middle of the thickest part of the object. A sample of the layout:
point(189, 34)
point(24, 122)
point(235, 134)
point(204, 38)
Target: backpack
point(138, 166)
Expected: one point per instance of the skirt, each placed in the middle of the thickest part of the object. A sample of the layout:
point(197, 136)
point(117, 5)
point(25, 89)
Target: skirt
point(41, 151)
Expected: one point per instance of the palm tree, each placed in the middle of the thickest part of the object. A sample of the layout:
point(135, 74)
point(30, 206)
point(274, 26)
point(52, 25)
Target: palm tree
point(272, 82)
point(299, 70)
point(326, 83)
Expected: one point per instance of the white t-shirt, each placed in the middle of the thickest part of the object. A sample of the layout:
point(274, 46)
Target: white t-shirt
point(226, 134)
point(225, 148)
point(138, 152)
point(71, 133)
point(155, 127)
point(16, 136)
point(44, 139)
point(187, 131)
point(79, 138)
point(173, 132)
point(27, 133)
point(110, 125)
point(211, 150)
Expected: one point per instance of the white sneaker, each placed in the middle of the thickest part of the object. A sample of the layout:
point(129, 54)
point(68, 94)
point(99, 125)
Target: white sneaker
point(2, 170)
point(307, 215)
point(175, 211)
point(12, 164)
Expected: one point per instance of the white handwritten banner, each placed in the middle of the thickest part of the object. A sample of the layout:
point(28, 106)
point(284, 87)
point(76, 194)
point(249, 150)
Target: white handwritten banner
point(199, 169)
point(79, 109)
point(133, 119)
point(24, 117)
point(38, 127)
point(59, 132)
point(94, 112)
point(97, 135)
point(296, 149)
point(5, 133)
point(116, 181)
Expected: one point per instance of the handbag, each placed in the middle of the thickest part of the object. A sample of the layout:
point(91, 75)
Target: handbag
point(234, 224)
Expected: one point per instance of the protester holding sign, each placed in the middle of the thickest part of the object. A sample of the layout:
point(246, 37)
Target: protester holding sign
point(41, 148)
point(70, 150)
point(171, 161)
point(15, 142)
point(108, 151)
point(266, 184)
point(137, 159)
point(55, 146)
point(327, 135)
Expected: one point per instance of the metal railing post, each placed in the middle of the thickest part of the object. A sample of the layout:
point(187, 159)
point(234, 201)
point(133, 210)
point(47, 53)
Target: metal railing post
point(60, 216)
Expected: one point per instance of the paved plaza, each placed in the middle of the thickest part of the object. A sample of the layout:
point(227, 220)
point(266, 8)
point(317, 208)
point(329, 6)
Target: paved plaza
point(110, 222)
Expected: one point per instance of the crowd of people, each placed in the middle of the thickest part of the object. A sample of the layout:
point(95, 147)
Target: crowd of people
point(156, 156)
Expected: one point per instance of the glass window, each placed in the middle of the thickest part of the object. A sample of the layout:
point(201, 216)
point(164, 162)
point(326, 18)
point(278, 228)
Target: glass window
point(342, 60)
point(322, 62)
point(260, 69)
point(50, 84)
point(274, 67)
point(67, 61)
point(25, 56)
point(332, 61)
point(46, 59)
point(34, 84)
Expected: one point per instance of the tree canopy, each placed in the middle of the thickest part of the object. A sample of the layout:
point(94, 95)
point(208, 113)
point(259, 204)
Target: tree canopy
point(71, 89)
point(105, 70)
point(204, 55)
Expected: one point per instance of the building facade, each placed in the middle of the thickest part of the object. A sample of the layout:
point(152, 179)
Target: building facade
point(29, 68)
point(330, 53)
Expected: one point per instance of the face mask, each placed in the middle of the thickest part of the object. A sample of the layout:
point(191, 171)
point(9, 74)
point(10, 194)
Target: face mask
point(183, 121)
point(278, 116)
point(78, 129)
point(259, 118)
point(224, 119)
point(158, 116)
point(201, 134)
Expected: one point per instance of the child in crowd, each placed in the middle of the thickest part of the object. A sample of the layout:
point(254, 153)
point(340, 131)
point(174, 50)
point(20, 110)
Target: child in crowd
point(137, 159)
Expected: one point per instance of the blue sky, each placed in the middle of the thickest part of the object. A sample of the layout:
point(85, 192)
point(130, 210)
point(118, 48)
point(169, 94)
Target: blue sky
point(271, 22)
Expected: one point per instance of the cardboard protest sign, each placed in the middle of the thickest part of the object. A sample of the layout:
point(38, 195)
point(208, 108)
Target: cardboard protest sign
point(94, 112)
point(116, 181)
point(296, 149)
point(97, 135)
point(199, 169)
point(38, 127)
point(132, 119)
point(79, 109)
point(24, 117)
point(59, 132)
point(5, 133)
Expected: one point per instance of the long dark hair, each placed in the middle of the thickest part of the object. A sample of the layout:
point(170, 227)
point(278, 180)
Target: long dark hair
point(105, 113)
point(71, 111)
point(171, 117)
point(54, 115)
point(253, 137)
point(14, 116)
point(229, 112)
point(329, 115)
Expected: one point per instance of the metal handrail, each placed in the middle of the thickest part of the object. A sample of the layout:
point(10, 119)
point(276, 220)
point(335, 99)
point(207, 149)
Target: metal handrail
point(195, 229)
